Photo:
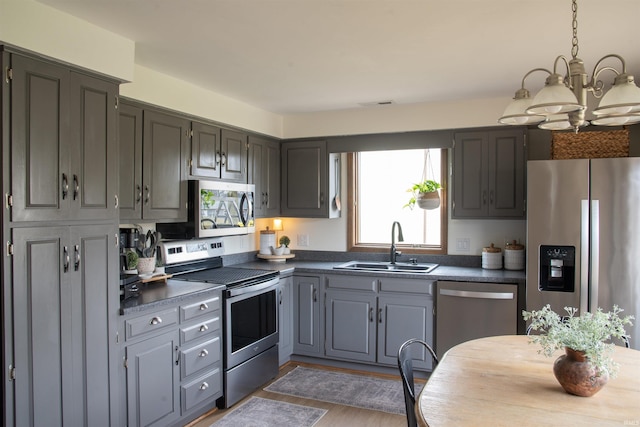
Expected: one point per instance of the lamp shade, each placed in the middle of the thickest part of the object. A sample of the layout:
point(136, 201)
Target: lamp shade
point(554, 98)
point(623, 98)
point(516, 113)
point(617, 120)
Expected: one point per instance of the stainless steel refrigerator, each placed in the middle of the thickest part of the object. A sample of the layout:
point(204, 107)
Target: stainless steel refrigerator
point(583, 236)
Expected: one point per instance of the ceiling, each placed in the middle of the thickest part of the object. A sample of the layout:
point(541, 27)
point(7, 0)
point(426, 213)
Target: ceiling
point(296, 56)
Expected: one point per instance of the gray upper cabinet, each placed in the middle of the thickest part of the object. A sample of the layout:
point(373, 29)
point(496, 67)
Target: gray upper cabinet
point(489, 174)
point(65, 323)
point(264, 172)
point(60, 121)
point(218, 153)
point(153, 164)
point(308, 184)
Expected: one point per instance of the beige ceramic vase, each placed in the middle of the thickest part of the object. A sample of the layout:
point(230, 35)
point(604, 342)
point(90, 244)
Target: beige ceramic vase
point(576, 375)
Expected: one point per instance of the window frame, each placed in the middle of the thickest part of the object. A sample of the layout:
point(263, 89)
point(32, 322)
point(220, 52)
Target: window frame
point(352, 198)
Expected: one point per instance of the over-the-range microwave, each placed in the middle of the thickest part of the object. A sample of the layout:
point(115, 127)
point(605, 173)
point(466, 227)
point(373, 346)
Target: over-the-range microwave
point(215, 208)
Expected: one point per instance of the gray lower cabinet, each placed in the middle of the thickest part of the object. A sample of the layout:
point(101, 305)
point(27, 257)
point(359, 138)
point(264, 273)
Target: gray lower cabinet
point(264, 173)
point(65, 305)
point(285, 319)
point(60, 121)
point(489, 174)
point(368, 318)
point(306, 316)
point(173, 360)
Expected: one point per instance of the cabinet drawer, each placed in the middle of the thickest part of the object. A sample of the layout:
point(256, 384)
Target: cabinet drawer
point(201, 389)
point(200, 357)
point(352, 282)
point(413, 286)
point(206, 328)
point(151, 322)
point(200, 308)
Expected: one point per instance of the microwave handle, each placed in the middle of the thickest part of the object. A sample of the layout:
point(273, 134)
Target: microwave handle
point(243, 200)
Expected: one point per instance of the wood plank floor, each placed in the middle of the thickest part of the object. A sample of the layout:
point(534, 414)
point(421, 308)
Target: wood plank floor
point(337, 415)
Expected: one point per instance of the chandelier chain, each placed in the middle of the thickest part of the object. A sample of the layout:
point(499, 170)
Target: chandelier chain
point(574, 40)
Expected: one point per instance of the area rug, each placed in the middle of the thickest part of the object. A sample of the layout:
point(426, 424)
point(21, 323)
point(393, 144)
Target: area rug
point(259, 412)
point(360, 391)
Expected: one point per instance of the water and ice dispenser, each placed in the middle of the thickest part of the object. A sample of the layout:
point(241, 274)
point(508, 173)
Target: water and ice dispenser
point(557, 268)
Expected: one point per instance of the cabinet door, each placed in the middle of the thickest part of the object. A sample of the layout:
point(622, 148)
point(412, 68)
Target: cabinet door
point(40, 181)
point(506, 174)
point(130, 164)
point(350, 325)
point(304, 179)
point(234, 156)
point(306, 315)
point(401, 317)
point(256, 174)
point(42, 341)
point(285, 319)
point(271, 174)
point(153, 381)
point(205, 150)
point(164, 172)
point(470, 180)
point(93, 150)
point(94, 302)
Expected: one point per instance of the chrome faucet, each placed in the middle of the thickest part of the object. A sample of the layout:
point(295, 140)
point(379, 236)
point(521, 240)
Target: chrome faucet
point(393, 253)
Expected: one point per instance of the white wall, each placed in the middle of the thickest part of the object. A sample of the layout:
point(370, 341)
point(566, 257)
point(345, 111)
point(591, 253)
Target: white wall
point(44, 30)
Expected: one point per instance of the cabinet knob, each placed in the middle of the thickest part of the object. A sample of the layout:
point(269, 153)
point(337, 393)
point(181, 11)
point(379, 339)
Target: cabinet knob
point(203, 306)
point(204, 385)
point(203, 353)
point(204, 328)
point(156, 320)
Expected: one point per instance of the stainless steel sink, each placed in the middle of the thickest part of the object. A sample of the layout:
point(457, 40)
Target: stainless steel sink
point(398, 267)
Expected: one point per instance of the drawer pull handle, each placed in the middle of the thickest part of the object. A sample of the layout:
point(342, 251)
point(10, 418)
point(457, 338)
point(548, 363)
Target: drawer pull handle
point(204, 353)
point(203, 328)
point(203, 306)
point(204, 385)
point(155, 321)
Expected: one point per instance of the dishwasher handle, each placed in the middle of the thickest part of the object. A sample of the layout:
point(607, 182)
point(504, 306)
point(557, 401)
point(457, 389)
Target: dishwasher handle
point(476, 294)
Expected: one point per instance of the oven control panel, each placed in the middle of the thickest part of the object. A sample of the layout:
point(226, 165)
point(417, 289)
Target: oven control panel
point(177, 251)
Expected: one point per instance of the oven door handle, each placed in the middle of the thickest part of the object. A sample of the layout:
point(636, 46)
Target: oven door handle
point(258, 287)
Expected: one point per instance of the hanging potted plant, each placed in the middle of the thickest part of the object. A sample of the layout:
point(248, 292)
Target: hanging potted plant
point(425, 194)
point(587, 364)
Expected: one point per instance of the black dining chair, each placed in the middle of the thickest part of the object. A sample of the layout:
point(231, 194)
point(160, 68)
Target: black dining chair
point(405, 364)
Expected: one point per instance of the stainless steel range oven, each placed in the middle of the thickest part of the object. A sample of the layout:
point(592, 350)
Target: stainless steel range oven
point(250, 312)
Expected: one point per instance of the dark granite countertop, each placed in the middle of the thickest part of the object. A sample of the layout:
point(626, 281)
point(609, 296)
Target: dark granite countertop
point(442, 272)
point(155, 295)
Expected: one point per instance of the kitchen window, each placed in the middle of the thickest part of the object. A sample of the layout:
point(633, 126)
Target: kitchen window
point(378, 186)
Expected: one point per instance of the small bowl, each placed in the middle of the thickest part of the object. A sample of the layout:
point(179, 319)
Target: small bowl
point(277, 251)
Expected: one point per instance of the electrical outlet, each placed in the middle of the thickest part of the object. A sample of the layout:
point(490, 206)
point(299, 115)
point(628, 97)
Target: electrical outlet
point(303, 240)
point(463, 244)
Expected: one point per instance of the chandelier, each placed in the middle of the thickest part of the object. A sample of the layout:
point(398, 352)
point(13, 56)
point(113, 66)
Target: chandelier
point(561, 104)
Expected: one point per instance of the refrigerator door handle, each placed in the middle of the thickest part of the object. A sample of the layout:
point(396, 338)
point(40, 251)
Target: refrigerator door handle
point(595, 255)
point(584, 257)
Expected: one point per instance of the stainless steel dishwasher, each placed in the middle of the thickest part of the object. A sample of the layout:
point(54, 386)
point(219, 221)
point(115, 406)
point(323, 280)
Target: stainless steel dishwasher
point(470, 310)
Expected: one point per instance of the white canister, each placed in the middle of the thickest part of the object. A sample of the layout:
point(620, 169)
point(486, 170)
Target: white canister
point(492, 258)
point(267, 240)
point(514, 256)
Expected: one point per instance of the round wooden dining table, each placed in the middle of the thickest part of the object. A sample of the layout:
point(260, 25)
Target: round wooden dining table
point(503, 381)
